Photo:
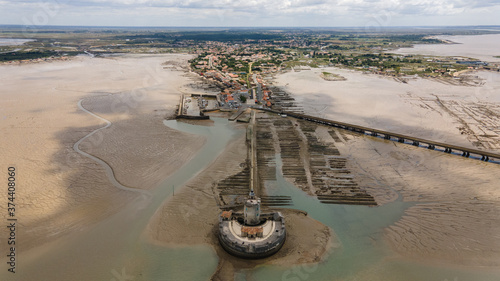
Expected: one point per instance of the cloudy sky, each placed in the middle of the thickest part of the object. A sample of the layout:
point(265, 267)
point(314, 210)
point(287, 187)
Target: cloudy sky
point(331, 13)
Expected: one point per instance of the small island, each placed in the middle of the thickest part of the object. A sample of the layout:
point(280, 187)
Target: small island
point(332, 76)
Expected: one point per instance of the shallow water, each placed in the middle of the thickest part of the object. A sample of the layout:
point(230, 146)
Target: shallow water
point(188, 263)
point(482, 47)
point(183, 263)
point(363, 254)
point(14, 41)
point(114, 248)
point(358, 228)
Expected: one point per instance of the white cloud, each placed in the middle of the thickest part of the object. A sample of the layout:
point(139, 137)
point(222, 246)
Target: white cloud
point(339, 12)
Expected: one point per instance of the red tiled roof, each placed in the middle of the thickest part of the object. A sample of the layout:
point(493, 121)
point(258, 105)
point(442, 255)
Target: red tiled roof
point(227, 214)
point(252, 230)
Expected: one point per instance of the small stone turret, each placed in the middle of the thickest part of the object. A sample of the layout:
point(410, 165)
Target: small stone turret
point(252, 210)
point(251, 233)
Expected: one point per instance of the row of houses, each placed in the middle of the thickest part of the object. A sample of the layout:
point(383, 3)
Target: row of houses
point(234, 93)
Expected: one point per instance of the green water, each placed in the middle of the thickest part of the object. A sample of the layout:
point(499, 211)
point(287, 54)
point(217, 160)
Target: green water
point(187, 263)
point(175, 264)
point(362, 255)
point(114, 248)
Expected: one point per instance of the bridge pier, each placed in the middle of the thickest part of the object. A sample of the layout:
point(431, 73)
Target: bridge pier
point(431, 146)
point(374, 134)
point(401, 140)
point(416, 143)
point(387, 137)
point(466, 154)
point(485, 158)
point(447, 150)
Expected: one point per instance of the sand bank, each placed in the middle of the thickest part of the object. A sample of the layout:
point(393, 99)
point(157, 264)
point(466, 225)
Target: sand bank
point(466, 116)
point(63, 191)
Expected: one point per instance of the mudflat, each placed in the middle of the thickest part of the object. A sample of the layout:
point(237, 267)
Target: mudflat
point(64, 191)
point(455, 219)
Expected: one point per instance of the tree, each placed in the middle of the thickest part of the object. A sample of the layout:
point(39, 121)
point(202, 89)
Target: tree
point(243, 99)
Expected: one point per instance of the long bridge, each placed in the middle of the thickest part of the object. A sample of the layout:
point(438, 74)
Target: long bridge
point(419, 142)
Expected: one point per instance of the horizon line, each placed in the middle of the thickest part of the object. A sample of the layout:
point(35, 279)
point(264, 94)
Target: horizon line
point(254, 27)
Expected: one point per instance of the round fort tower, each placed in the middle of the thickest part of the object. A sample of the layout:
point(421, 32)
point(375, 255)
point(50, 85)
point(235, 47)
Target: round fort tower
point(251, 233)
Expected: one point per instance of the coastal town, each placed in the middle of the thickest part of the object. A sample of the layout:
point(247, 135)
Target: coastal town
point(244, 72)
